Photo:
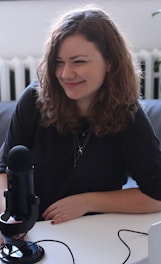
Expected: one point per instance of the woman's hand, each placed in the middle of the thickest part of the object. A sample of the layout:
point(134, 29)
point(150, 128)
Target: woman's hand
point(19, 236)
point(66, 209)
point(1, 241)
point(11, 220)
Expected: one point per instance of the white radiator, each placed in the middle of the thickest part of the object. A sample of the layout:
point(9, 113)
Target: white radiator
point(17, 73)
point(150, 63)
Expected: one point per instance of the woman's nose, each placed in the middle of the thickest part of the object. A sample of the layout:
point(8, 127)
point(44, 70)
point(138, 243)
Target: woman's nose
point(68, 72)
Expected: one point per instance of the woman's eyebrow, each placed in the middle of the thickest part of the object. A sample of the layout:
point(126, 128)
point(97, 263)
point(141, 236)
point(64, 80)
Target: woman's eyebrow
point(73, 57)
point(77, 56)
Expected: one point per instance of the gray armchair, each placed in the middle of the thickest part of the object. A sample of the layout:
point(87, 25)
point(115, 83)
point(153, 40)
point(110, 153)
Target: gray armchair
point(152, 107)
point(6, 109)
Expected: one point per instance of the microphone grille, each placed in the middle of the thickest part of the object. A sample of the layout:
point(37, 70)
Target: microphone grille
point(19, 158)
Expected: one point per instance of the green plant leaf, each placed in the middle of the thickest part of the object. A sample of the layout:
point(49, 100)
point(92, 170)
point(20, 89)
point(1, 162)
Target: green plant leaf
point(156, 12)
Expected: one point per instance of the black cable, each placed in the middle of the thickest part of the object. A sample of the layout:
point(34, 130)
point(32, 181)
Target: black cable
point(132, 231)
point(39, 241)
point(57, 241)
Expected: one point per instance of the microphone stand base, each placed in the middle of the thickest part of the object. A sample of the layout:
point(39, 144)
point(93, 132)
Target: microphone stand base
point(28, 254)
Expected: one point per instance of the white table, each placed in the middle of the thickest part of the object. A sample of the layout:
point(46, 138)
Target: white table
point(93, 239)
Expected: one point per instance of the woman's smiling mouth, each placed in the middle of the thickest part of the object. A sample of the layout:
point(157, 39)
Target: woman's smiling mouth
point(72, 84)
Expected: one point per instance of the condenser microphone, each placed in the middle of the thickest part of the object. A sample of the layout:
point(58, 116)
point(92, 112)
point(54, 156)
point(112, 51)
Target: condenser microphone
point(20, 177)
point(21, 211)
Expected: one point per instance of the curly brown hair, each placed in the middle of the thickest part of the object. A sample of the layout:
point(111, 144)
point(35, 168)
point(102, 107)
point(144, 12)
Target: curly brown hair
point(116, 100)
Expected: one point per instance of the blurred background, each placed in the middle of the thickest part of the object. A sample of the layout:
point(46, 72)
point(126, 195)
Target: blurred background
point(24, 28)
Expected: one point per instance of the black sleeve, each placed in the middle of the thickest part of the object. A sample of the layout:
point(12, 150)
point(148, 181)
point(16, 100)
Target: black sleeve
point(23, 123)
point(144, 156)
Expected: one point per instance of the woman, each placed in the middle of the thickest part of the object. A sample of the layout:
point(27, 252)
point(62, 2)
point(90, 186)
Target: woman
point(84, 126)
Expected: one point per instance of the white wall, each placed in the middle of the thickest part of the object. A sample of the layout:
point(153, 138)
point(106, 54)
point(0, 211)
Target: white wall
point(24, 24)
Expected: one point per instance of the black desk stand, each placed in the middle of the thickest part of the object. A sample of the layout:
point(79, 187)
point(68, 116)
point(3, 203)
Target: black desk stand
point(18, 251)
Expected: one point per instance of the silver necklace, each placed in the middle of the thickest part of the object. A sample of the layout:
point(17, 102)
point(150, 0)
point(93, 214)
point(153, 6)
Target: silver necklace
point(78, 148)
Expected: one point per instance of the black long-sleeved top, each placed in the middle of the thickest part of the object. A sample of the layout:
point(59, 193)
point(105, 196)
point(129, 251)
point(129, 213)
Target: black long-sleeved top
point(104, 165)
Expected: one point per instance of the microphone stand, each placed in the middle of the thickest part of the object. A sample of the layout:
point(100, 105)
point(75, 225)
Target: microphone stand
point(19, 251)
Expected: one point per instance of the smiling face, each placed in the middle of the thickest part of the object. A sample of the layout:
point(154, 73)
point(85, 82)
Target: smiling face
point(80, 70)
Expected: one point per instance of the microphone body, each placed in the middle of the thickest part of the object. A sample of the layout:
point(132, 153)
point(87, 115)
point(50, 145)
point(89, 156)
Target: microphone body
point(20, 177)
point(19, 193)
point(21, 202)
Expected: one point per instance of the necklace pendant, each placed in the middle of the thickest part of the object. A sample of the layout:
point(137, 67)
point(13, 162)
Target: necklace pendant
point(78, 148)
point(80, 151)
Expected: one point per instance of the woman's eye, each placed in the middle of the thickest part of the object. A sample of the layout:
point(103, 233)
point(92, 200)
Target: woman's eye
point(59, 62)
point(79, 61)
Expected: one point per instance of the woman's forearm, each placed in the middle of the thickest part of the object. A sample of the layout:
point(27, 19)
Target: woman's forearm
point(122, 201)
